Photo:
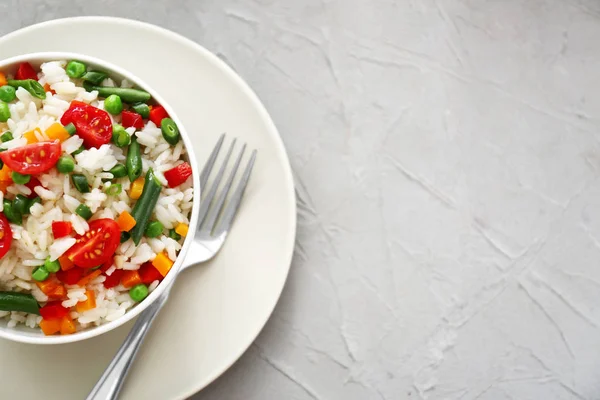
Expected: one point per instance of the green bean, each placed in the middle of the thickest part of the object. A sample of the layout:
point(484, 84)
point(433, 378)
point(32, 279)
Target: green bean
point(4, 112)
point(144, 207)
point(6, 136)
point(118, 171)
point(83, 211)
point(79, 150)
point(20, 179)
point(51, 266)
point(154, 229)
point(13, 301)
point(70, 128)
point(127, 95)
point(31, 202)
point(65, 164)
point(142, 109)
point(8, 93)
point(134, 160)
point(95, 77)
point(81, 183)
point(40, 273)
point(170, 131)
point(113, 104)
point(174, 235)
point(75, 69)
point(10, 213)
point(32, 86)
point(114, 190)
point(120, 137)
point(125, 236)
point(21, 204)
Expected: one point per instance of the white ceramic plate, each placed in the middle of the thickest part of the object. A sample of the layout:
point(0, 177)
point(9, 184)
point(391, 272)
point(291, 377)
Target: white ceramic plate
point(216, 310)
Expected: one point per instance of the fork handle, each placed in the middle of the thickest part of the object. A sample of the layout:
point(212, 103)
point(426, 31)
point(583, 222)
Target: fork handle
point(111, 382)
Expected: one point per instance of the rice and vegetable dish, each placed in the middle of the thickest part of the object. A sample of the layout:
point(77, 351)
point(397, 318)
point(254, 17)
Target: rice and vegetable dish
point(95, 196)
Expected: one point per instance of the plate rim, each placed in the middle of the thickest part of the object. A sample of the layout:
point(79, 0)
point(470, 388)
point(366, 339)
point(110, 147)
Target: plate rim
point(271, 131)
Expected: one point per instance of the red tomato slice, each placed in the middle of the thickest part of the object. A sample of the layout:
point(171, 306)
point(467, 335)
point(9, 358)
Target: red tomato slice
point(114, 279)
point(32, 184)
point(26, 71)
point(32, 159)
point(157, 114)
point(71, 276)
point(177, 175)
point(92, 124)
point(129, 119)
point(5, 236)
point(97, 245)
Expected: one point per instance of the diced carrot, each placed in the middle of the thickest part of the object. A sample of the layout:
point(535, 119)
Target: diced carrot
point(162, 263)
point(131, 278)
point(88, 278)
point(47, 89)
point(65, 263)
point(136, 188)
point(126, 221)
point(31, 137)
point(3, 80)
point(67, 326)
point(5, 174)
point(182, 229)
point(4, 186)
point(47, 286)
point(88, 304)
point(58, 293)
point(50, 326)
point(57, 131)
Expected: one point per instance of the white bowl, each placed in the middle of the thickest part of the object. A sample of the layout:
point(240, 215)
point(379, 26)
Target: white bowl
point(35, 336)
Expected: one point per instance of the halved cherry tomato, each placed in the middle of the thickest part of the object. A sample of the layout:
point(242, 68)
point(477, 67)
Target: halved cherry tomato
point(61, 229)
point(5, 236)
point(53, 310)
point(114, 279)
point(32, 184)
point(149, 274)
point(129, 119)
point(178, 175)
point(97, 245)
point(32, 159)
point(92, 124)
point(157, 114)
point(71, 276)
point(26, 71)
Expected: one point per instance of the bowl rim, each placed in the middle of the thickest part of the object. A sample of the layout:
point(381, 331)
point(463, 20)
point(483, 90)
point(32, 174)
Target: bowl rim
point(21, 336)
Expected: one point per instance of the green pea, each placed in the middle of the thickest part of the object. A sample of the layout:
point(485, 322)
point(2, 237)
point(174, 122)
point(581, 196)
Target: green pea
point(125, 236)
point(8, 93)
point(6, 136)
point(174, 235)
point(79, 150)
point(138, 292)
point(170, 131)
point(10, 213)
point(120, 137)
point(40, 273)
point(70, 128)
point(20, 179)
point(4, 112)
point(65, 164)
point(83, 211)
point(81, 183)
point(142, 109)
point(75, 69)
point(154, 229)
point(113, 104)
point(51, 266)
point(118, 171)
point(21, 204)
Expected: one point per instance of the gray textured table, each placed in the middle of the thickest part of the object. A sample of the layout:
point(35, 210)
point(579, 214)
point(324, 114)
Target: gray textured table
point(447, 157)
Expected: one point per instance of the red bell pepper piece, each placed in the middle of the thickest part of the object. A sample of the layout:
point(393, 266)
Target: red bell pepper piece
point(71, 276)
point(114, 279)
point(129, 119)
point(53, 310)
point(26, 71)
point(178, 175)
point(149, 274)
point(61, 229)
point(157, 114)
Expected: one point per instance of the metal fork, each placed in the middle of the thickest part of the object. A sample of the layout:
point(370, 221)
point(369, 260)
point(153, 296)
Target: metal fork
point(208, 240)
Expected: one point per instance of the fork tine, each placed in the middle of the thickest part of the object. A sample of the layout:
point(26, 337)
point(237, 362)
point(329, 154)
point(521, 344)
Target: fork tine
point(206, 202)
point(210, 162)
point(236, 199)
point(216, 208)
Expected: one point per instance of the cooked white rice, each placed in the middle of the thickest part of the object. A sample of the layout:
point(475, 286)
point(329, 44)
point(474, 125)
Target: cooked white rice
point(33, 241)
